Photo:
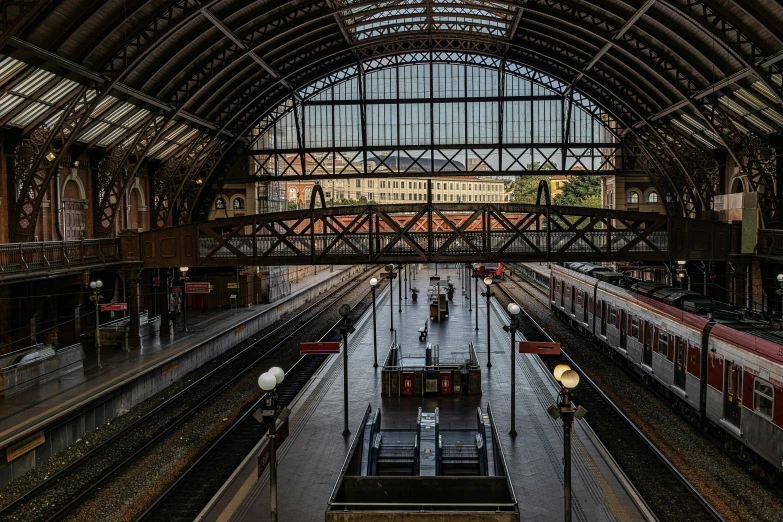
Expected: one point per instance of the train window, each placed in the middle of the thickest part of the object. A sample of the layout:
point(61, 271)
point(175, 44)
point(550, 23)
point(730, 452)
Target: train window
point(663, 343)
point(763, 394)
point(612, 315)
point(635, 328)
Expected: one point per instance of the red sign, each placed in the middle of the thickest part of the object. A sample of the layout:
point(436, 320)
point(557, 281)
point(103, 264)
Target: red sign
point(156, 281)
point(435, 278)
point(407, 383)
point(540, 348)
point(114, 307)
point(319, 348)
point(247, 273)
point(198, 288)
point(445, 383)
point(264, 456)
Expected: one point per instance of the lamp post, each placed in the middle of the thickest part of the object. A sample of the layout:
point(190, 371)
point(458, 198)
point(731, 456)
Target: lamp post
point(399, 286)
point(564, 409)
point(185, 280)
point(96, 296)
point(373, 284)
point(390, 270)
point(345, 330)
point(513, 312)
point(268, 382)
point(467, 286)
point(476, 277)
point(489, 294)
point(780, 293)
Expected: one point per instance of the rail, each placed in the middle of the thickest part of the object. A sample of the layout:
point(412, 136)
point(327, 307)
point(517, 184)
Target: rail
point(770, 242)
point(30, 258)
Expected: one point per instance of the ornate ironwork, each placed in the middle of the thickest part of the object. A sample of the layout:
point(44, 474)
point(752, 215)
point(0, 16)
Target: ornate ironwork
point(431, 232)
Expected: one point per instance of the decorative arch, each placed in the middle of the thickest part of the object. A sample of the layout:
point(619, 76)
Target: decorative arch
point(73, 176)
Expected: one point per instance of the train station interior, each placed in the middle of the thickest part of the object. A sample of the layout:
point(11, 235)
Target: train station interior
point(399, 260)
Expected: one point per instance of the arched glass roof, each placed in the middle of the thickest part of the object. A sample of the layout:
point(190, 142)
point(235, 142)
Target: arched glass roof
point(694, 85)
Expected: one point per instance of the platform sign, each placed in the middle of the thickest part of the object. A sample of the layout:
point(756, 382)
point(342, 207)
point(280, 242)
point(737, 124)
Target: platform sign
point(198, 288)
point(114, 307)
point(156, 281)
point(434, 278)
point(247, 272)
point(539, 348)
point(387, 275)
point(265, 455)
point(319, 348)
point(232, 285)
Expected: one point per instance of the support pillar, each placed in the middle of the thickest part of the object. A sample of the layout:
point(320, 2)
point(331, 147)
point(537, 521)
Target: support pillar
point(163, 304)
point(134, 339)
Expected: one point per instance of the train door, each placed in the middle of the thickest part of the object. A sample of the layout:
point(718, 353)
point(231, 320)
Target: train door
point(623, 330)
point(584, 307)
point(562, 294)
point(604, 313)
point(732, 393)
point(573, 300)
point(648, 342)
point(680, 359)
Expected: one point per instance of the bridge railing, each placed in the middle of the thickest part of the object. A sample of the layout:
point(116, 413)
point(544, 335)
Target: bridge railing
point(352, 244)
point(770, 242)
point(18, 258)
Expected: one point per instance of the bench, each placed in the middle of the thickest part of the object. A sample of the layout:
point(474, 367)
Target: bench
point(423, 332)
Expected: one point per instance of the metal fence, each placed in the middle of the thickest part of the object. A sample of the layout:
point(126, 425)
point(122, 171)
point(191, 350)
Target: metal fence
point(47, 255)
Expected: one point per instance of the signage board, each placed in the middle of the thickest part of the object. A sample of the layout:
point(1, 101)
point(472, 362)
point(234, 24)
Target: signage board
point(156, 281)
point(23, 446)
point(114, 307)
point(319, 348)
point(232, 285)
point(265, 455)
point(539, 348)
point(435, 278)
point(198, 288)
point(247, 273)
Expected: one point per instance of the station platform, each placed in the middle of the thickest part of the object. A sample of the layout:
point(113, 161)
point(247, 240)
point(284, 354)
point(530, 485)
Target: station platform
point(27, 412)
point(312, 456)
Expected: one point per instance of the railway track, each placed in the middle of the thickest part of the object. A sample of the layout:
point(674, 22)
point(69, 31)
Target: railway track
point(185, 498)
point(668, 492)
point(61, 493)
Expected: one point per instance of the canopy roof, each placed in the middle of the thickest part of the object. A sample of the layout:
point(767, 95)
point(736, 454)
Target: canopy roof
point(683, 79)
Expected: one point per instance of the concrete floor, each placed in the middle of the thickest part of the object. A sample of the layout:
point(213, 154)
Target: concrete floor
point(310, 460)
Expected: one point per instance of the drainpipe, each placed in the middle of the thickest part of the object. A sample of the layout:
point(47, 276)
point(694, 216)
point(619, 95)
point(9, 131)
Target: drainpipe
point(58, 203)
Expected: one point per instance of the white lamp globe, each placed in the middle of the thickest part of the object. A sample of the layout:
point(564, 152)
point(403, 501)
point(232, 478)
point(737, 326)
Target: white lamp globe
point(93, 285)
point(569, 379)
point(373, 281)
point(267, 381)
point(513, 308)
point(780, 278)
point(99, 283)
point(278, 374)
point(559, 370)
point(487, 281)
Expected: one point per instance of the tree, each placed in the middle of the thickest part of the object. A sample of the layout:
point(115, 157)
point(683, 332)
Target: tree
point(581, 191)
point(524, 189)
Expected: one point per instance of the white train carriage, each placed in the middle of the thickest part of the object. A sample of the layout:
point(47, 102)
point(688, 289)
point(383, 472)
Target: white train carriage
point(671, 337)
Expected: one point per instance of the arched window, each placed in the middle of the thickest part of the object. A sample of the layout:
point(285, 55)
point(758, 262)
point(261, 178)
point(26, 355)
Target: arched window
point(633, 197)
point(239, 204)
point(220, 204)
point(292, 194)
point(652, 197)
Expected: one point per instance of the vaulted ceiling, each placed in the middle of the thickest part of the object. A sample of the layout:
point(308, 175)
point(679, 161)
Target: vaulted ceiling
point(696, 86)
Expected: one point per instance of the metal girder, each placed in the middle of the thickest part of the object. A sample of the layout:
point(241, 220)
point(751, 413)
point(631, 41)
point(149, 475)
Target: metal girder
point(451, 232)
point(38, 158)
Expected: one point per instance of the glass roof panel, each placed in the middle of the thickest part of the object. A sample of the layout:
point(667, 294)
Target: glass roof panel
point(30, 113)
point(8, 68)
point(365, 21)
point(9, 102)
